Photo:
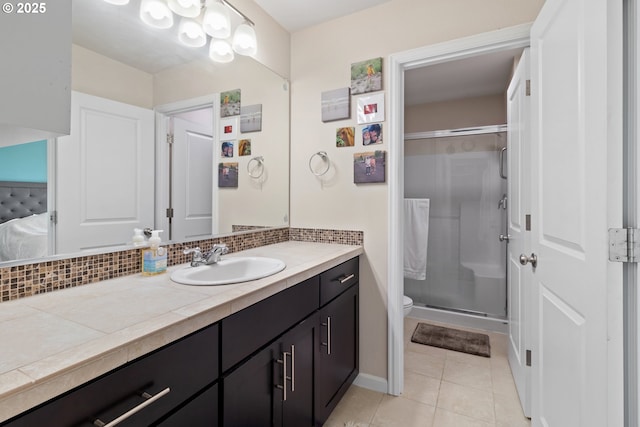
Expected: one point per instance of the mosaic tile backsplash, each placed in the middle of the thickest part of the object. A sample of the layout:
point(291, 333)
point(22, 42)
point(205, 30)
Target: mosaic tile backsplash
point(31, 279)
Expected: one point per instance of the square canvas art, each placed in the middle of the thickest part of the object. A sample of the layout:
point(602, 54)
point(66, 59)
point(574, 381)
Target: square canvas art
point(251, 118)
point(336, 105)
point(369, 167)
point(230, 103)
point(366, 76)
point(228, 175)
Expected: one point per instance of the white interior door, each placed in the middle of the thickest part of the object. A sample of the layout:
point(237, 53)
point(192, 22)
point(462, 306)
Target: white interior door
point(96, 205)
point(192, 180)
point(570, 147)
point(518, 206)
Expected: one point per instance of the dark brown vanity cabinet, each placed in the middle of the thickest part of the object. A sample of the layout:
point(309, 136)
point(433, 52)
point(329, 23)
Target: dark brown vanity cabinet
point(168, 384)
point(337, 346)
point(283, 361)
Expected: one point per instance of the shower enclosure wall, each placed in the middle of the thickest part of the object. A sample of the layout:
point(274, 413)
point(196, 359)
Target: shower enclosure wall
point(466, 262)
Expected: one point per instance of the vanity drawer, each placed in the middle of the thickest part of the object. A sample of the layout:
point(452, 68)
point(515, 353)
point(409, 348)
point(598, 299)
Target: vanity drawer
point(248, 330)
point(170, 376)
point(338, 279)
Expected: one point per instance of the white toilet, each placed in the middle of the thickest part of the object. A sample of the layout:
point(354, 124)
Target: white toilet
point(407, 305)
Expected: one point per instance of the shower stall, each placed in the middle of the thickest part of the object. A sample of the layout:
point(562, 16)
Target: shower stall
point(462, 173)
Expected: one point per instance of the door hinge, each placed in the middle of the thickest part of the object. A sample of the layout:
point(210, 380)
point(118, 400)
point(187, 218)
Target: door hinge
point(528, 358)
point(169, 212)
point(624, 244)
point(527, 90)
point(169, 138)
point(53, 217)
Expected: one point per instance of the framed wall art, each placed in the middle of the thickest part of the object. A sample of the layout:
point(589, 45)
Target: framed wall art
point(230, 103)
point(371, 108)
point(336, 105)
point(229, 128)
point(366, 76)
point(251, 118)
point(345, 137)
point(228, 174)
point(369, 167)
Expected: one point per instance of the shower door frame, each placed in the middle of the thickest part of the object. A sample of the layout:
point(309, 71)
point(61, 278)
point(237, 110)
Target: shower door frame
point(485, 43)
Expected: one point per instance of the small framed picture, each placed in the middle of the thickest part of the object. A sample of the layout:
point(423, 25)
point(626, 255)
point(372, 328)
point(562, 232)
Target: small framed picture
point(345, 137)
point(230, 103)
point(336, 105)
point(228, 175)
point(251, 118)
point(229, 128)
point(366, 76)
point(369, 167)
point(226, 149)
point(371, 108)
point(372, 134)
point(244, 147)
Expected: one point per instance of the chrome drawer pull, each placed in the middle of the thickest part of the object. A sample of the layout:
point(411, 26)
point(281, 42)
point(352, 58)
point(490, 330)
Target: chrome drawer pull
point(344, 279)
point(149, 401)
point(285, 377)
point(328, 343)
point(293, 368)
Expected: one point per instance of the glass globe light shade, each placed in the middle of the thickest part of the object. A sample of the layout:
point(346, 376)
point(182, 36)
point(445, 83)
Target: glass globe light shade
point(191, 34)
point(156, 13)
point(244, 40)
point(220, 51)
point(185, 8)
point(216, 21)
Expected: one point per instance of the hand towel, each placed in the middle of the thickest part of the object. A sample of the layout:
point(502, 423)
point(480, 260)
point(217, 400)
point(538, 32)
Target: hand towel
point(416, 235)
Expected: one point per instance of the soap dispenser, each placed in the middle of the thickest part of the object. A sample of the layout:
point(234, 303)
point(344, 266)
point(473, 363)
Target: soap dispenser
point(154, 259)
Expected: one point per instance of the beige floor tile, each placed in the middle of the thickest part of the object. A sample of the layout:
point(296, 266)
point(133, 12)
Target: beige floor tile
point(509, 411)
point(421, 388)
point(436, 352)
point(424, 364)
point(468, 375)
point(400, 412)
point(503, 383)
point(358, 405)
point(470, 359)
point(446, 418)
point(472, 402)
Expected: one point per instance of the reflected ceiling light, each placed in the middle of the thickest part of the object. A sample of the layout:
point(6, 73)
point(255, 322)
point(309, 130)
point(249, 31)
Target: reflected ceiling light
point(185, 8)
point(220, 51)
point(191, 34)
point(118, 2)
point(216, 21)
point(156, 13)
point(244, 40)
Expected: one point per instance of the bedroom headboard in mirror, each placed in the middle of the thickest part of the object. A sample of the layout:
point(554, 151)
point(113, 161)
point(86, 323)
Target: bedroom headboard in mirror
point(115, 58)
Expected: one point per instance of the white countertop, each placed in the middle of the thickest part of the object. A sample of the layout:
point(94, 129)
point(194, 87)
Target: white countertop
point(51, 343)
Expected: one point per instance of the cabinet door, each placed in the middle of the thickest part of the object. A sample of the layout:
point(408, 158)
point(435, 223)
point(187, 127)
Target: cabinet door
point(294, 394)
point(200, 412)
point(337, 352)
point(249, 390)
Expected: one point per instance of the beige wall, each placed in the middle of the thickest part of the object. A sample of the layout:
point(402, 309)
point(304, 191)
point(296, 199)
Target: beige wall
point(320, 60)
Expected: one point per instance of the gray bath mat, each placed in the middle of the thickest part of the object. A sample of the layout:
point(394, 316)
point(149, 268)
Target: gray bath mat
point(452, 339)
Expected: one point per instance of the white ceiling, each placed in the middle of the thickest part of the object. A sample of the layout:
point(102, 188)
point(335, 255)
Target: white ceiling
point(117, 32)
point(296, 15)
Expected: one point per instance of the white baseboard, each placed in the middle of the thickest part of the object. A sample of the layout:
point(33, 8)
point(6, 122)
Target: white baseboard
point(371, 382)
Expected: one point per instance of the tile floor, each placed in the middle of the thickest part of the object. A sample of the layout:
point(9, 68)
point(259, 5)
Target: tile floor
point(442, 388)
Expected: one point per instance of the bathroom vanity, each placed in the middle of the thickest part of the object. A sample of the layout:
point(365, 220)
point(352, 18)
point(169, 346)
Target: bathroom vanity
point(276, 351)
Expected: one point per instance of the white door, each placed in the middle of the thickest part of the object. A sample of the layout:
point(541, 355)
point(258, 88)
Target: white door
point(518, 206)
point(98, 206)
point(570, 148)
point(192, 180)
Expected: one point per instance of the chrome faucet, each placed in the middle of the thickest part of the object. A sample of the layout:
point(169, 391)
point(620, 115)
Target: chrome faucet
point(211, 257)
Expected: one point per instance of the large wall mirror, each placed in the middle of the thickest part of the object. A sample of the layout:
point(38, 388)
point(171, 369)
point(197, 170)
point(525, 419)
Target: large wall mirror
point(117, 170)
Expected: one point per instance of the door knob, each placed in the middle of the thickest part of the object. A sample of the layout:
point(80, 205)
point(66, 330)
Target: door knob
point(504, 238)
point(533, 260)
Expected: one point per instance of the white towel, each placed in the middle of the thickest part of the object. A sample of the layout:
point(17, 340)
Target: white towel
point(416, 235)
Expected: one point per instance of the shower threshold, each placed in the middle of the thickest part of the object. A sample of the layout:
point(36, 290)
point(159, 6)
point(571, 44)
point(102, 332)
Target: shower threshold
point(461, 317)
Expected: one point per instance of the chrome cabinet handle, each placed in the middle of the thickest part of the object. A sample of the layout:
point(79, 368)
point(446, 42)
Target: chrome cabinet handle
point(149, 401)
point(285, 377)
point(504, 238)
point(501, 166)
point(344, 279)
point(328, 343)
point(533, 260)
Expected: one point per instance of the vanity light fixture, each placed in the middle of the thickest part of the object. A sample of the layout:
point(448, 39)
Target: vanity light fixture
point(199, 18)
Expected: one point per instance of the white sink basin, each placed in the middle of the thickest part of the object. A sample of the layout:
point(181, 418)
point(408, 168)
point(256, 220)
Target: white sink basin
point(228, 270)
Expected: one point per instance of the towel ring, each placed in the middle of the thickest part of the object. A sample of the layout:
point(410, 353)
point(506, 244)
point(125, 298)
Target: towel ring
point(325, 158)
point(260, 161)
